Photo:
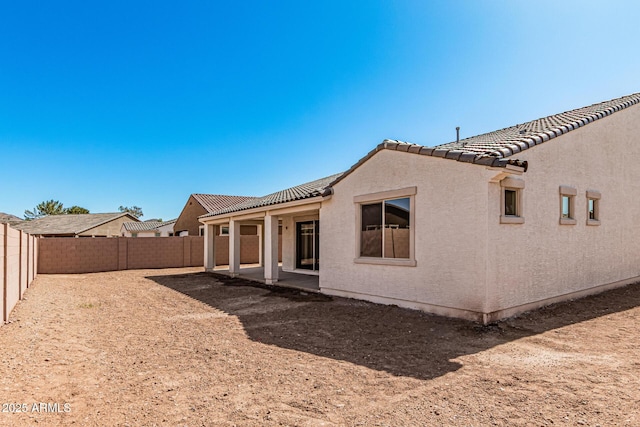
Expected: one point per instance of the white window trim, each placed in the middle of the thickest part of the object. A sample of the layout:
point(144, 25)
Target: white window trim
point(517, 185)
point(595, 196)
point(222, 233)
point(381, 196)
point(571, 193)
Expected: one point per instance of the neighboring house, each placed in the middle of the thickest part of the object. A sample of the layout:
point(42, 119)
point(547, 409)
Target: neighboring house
point(187, 223)
point(6, 218)
point(80, 225)
point(482, 228)
point(148, 229)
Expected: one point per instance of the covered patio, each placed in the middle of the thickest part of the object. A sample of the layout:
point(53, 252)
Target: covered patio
point(255, 273)
point(287, 223)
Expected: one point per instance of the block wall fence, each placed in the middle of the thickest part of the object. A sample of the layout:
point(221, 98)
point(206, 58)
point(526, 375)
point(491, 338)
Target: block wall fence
point(18, 266)
point(68, 255)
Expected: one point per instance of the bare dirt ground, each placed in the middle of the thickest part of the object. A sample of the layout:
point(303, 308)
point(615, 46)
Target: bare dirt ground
point(181, 347)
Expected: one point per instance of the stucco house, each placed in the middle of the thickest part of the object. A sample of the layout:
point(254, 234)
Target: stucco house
point(198, 204)
point(148, 229)
point(77, 225)
point(482, 228)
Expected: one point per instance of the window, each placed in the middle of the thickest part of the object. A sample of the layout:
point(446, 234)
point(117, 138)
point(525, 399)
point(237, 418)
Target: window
point(385, 231)
point(201, 230)
point(224, 231)
point(567, 205)
point(593, 207)
point(157, 234)
point(134, 234)
point(511, 201)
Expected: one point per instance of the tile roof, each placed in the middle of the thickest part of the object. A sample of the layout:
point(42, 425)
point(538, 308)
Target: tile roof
point(67, 224)
point(299, 192)
point(509, 141)
point(214, 202)
point(146, 225)
point(495, 148)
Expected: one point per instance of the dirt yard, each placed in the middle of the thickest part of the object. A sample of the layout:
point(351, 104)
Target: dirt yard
point(180, 347)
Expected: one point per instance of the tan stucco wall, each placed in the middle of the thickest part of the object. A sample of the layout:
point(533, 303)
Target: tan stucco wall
point(450, 236)
point(542, 259)
point(468, 263)
point(111, 228)
point(288, 244)
point(188, 219)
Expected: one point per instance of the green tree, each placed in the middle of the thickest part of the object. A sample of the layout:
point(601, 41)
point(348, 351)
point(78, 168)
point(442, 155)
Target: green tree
point(133, 210)
point(49, 207)
point(53, 207)
point(76, 210)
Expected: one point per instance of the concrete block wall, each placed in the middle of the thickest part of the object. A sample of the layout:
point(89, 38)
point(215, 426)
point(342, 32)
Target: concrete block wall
point(64, 255)
point(78, 255)
point(18, 258)
point(68, 255)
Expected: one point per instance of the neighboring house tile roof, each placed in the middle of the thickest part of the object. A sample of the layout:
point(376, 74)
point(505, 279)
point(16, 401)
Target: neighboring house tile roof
point(67, 224)
point(299, 192)
point(214, 202)
point(495, 148)
point(146, 225)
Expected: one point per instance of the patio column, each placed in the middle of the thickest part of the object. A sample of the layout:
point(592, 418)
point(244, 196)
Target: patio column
point(210, 232)
point(270, 249)
point(260, 247)
point(234, 248)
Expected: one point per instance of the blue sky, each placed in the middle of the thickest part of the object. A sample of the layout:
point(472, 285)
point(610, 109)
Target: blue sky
point(142, 103)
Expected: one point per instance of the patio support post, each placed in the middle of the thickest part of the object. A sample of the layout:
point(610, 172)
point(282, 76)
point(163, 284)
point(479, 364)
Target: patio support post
point(260, 246)
point(270, 249)
point(209, 247)
point(234, 248)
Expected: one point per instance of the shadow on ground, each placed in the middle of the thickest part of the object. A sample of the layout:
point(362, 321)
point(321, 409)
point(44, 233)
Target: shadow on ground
point(387, 338)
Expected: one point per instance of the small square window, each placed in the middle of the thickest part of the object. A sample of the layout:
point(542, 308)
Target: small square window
point(567, 205)
point(511, 201)
point(224, 231)
point(593, 207)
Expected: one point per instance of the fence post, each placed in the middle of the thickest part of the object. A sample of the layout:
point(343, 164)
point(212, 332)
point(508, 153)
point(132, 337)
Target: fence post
point(5, 283)
point(20, 265)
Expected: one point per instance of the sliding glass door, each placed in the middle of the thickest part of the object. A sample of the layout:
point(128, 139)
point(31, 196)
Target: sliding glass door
point(308, 245)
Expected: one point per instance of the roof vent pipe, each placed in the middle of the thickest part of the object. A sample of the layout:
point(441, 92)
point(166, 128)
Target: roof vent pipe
point(457, 134)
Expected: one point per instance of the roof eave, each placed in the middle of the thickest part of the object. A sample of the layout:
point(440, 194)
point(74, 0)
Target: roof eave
point(263, 209)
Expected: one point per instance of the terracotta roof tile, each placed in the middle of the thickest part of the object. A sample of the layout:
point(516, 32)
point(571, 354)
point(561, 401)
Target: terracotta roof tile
point(146, 225)
point(214, 202)
point(496, 148)
point(299, 192)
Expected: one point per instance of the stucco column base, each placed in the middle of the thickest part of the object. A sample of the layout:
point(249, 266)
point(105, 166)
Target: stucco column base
point(271, 281)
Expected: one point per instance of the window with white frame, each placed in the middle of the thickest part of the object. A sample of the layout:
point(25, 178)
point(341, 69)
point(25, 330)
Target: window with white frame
point(224, 231)
point(511, 196)
point(386, 227)
point(567, 205)
point(593, 207)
